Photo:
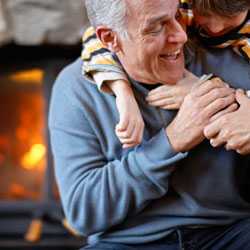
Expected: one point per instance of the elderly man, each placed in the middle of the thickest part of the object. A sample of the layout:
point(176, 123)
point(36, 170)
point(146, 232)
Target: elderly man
point(155, 196)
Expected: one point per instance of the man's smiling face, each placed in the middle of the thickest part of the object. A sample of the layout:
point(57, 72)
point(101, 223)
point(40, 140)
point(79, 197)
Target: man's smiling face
point(154, 50)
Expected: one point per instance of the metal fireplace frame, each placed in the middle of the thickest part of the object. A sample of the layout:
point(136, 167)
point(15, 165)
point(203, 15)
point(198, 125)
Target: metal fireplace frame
point(16, 216)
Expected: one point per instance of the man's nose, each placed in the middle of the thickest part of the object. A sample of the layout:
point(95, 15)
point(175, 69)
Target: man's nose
point(177, 35)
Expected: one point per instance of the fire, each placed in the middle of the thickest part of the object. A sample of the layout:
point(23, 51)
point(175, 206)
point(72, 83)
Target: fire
point(33, 156)
point(32, 76)
point(22, 137)
point(20, 192)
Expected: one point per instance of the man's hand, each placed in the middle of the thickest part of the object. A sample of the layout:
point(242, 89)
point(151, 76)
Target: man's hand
point(204, 101)
point(232, 129)
point(171, 96)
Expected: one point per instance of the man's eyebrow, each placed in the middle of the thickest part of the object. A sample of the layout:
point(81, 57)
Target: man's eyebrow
point(157, 19)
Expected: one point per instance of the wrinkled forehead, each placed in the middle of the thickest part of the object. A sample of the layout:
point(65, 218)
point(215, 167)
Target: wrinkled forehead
point(152, 6)
point(146, 9)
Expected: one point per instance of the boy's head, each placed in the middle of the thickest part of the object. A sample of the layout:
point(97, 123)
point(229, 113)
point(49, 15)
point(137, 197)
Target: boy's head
point(218, 17)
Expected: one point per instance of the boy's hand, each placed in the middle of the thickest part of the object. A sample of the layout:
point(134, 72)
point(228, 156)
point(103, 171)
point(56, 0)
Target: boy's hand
point(171, 96)
point(130, 128)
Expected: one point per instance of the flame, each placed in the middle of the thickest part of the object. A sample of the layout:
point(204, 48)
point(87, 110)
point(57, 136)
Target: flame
point(28, 76)
point(20, 192)
point(33, 156)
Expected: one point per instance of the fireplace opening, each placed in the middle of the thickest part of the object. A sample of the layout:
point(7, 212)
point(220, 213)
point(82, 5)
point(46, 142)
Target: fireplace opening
point(22, 137)
point(31, 216)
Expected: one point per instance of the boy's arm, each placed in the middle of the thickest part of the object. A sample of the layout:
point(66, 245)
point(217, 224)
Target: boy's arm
point(98, 62)
point(171, 96)
point(108, 74)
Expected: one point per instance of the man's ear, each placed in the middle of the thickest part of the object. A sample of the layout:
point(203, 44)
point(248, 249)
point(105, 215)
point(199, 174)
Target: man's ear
point(108, 38)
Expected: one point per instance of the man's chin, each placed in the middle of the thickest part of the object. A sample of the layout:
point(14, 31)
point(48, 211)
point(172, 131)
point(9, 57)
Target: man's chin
point(172, 73)
point(173, 77)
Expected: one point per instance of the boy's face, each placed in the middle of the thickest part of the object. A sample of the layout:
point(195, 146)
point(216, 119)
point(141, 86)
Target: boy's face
point(215, 25)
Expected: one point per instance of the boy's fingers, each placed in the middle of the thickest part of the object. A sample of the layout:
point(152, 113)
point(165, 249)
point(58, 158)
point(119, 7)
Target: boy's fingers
point(162, 102)
point(128, 141)
point(126, 133)
point(171, 106)
point(123, 123)
point(158, 96)
point(134, 137)
point(159, 89)
point(129, 145)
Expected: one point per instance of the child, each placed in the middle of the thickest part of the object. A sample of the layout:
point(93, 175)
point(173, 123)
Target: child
point(215, 23)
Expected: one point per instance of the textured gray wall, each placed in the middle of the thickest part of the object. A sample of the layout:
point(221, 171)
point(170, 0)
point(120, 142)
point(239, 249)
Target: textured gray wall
point(33, 22)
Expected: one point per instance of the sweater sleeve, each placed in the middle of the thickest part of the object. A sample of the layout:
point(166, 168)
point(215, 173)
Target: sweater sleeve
point(98, 193)
point(98, 62)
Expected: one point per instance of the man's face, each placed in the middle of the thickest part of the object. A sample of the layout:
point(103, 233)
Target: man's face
point(215, 25)
point(154, 51)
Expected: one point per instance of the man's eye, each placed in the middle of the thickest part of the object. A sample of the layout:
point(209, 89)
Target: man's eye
point(157, 29)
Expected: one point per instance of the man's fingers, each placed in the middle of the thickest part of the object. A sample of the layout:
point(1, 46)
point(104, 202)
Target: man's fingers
point(221, 138)
point(204, 88)
point(233, 107)
point(235, 143)
point(215, 94)
point(211, 130)
point(241, 97)
point(215, 127)
point(244, 150)
point(216, 142)
point(218, 105)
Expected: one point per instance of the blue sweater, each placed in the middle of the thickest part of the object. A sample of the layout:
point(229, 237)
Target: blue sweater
point(141, 194)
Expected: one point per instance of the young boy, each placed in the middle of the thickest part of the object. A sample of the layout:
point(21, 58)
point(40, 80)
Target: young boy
point(216, 23)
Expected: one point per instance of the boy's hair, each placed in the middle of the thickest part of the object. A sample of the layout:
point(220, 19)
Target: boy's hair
point(221, 7)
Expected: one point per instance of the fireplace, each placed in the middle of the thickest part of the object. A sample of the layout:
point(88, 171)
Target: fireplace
point(30, 212)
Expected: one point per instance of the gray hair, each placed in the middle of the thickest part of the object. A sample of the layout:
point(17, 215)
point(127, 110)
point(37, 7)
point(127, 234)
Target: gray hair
point(112, 13)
